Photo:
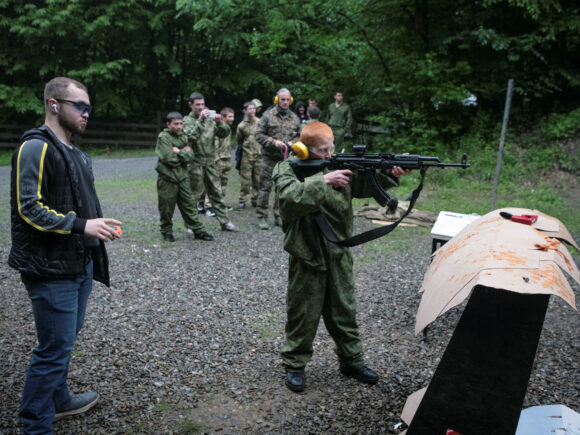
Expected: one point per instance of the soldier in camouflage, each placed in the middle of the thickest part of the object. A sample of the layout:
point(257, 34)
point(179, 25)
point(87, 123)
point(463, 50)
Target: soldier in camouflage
point(313, 113)
point(320, 276)
point(223, 147)
point(251, 156)
point(258, 105)
point(339, 117)
point(278, 128)
point(201, 131)
point(173, 186)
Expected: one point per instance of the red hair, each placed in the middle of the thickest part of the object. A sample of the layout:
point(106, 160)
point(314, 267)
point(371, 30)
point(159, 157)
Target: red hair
point(314, 133)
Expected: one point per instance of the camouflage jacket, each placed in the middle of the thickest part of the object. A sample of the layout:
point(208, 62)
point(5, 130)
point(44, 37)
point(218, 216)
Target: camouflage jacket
point(339, 117)
point(170, 164)
point(246, 133)
point(298, 199)
point(223, 147)
point(201, 134)
point(276, 124)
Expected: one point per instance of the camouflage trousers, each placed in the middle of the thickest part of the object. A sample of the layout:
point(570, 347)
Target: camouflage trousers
point(250, 177)
point(224, 166)
point(321, 293)
point(201, 176)
point(266, 182)
point(169, 194)
point(338, 134)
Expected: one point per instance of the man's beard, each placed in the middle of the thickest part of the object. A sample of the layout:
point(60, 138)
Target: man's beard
point(74, 128)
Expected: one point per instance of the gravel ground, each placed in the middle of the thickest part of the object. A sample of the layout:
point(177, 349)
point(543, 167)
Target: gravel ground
point(187, 339)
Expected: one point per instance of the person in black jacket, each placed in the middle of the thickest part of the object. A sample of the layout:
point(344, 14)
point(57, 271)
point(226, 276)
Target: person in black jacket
point(57, 245)
point(300, 110)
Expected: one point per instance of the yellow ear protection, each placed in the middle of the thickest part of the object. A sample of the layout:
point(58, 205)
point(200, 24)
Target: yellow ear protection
point(276, 99)
point(301, 150)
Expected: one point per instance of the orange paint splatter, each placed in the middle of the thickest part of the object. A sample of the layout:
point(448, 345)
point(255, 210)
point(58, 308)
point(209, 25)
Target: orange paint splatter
point(550, 244)
point(510, 257)
point(549, 277)
point(566, 260)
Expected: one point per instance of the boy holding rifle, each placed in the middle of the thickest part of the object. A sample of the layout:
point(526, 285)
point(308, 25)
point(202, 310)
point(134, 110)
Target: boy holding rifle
point(320, 276)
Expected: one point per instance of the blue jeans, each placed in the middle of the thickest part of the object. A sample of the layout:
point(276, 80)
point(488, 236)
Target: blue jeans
point(59, 312)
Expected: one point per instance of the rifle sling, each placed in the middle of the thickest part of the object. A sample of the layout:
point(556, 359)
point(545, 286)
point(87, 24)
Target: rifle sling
point(369, 235)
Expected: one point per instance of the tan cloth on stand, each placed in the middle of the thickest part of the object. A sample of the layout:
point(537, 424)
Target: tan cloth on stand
point(415, 217)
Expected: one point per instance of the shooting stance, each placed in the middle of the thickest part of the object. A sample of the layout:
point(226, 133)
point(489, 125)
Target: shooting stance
point(320, 276)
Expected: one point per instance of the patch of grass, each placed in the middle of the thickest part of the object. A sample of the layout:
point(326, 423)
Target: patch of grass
point(188, 426)
point(125, 190)
point(136, 429)
point(400, 240)
point(164, 406)
point(573, 251)
point(464, 192)
point(116, 152)
point(145, 233)
point(93, 151)
point(6, 157)
point(5, 225)
point(267, 324)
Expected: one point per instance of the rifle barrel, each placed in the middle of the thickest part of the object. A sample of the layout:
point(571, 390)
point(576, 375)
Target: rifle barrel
point(359, 161)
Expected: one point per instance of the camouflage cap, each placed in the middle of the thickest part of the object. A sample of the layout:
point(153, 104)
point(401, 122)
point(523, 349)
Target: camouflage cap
point(257, 103)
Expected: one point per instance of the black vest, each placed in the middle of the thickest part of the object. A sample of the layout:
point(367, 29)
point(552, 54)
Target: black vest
point(46, 254)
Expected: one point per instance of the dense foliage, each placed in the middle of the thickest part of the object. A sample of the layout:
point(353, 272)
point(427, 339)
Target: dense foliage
point(410, 65)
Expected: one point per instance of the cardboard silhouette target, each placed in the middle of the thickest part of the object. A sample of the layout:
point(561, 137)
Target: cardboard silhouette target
point(508, 270)
point(498, 253)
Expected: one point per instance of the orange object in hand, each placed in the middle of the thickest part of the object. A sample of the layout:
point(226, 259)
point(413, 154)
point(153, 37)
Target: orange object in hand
point(117, 229)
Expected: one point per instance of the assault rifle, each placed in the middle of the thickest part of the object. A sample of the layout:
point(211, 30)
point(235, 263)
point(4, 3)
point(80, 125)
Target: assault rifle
point(366, 166)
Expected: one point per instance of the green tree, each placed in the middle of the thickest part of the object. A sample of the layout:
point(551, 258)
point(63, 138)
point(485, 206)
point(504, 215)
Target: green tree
point(406, 64)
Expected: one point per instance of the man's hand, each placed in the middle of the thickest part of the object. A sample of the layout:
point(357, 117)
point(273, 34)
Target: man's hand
point(280, 145)
point(187, 148)
point(175, 150)
point(205, 115)
point(339, 178)
point(101, 228)
point(398, 172)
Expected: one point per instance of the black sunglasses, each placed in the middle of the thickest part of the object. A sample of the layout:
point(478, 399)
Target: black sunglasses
point(80, 106)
